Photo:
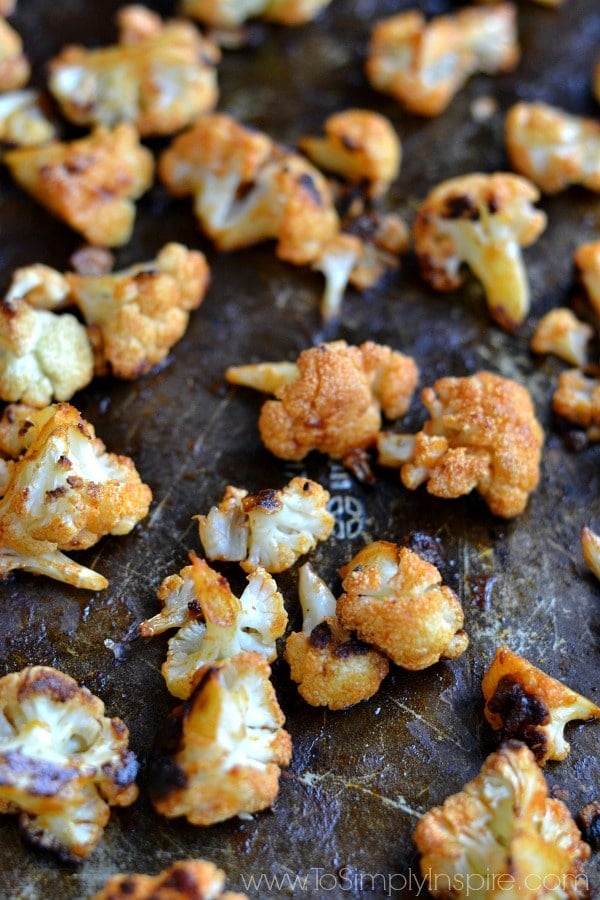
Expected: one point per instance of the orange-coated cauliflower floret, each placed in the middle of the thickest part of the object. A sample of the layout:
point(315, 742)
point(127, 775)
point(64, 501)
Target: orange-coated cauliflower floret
point(502, 836)
point(63, 764)
point(552, 148)
point(587, 265)
point(189, 879)
point(64, 492)
point(577, 399)
point(224, 746)
point(424, 65)
point(14, 66)
point(90, 183)
point(561, 333)
point(160, 77)
point(483, 221)
point(330, 665)
point(524, 703)
point(23, 122)
point(230, 13)
point(396, 601)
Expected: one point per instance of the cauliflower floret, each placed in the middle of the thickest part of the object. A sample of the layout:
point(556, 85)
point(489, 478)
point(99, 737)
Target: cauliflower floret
point(331, 667)
point(160, 77)
point(502, 836)
point(396, 601)
point(384, 239)
point(231, 13)
point(587, 265)
point(42, 355)
point(577, 399)
point(224, 746)
point(65, 493)
point(561, 333)
point(483, 221)
point(213, 624)
point(247, 189)
point(189, 879)
point(590, 545)
point(42, 287)
point(424, 65)
point(339, 256)
point(552, 148)
point(14, 66)
point(334, 404)
point(62, 762)
point(271, 528)
point(524, 703)
point(483, 435)
point(22, 119)
point(89, 183)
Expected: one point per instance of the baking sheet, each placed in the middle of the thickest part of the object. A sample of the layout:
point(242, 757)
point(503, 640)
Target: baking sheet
point(359, 779)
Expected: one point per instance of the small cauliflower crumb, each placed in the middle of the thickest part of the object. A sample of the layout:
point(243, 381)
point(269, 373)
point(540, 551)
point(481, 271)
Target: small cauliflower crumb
point(577, 399)
point(587, 266)
point(189, 879)
point(14, 65)
point(561, 333)
point(231, 13)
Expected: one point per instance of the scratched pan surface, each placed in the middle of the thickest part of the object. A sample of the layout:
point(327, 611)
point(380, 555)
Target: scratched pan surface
point(360, 778)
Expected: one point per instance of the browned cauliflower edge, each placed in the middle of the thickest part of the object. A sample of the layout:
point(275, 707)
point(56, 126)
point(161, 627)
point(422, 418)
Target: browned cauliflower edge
point(228, 14)
point(590, 545)
point(587, 266)
point(188, 879)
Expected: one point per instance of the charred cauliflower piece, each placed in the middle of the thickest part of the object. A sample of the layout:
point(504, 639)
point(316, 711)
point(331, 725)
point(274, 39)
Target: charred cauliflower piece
point(524, 703)
point(331, 667)
point(482, 435)
point(190, 879)
point(334, 404)
point(396, 601)
point(160, 77)
point(483, 221)
point(224, 747)
point(89, 183)
point(65, 493)
point(577, 399)
point(14, 66)
point(23, 122)
point(587, 266)
point(213, 624)
point(424, 65)
point(231, 13)
point(63, 764)
point(552, 148)
point(271, 529)
point(561, 333)
point(359, 145)
point(504, 835)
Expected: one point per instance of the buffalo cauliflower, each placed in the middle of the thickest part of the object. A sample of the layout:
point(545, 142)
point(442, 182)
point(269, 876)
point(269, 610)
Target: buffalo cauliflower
point(89, 183)
point(223, 749)
point(483, 435)
point(271, 528)
point(483, 221)
point(561, 333)
point(396, 601)
point(502, 836)
point(14, 65)
point(63, 763)
point(331, 667)
point(552, 148)
point(65, 492)
point(577, 399)
point(424, 65)
point(22, 119)
point(524, 703)
point(590, 545)
point(334, 403)
point(189, 879)
point(587, 266)
point(212, 623)
point(231, 13)
point(160, 77)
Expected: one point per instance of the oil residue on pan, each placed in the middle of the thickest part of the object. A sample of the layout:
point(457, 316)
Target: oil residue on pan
point(359, 779)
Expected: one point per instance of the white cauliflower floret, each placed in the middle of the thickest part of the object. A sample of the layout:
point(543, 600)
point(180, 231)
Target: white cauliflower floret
point(224, 746)
point(212, 623)
point(483, 221)
point(64, 493)
point(337, 261)
point(502, 836)
point(231, 13)
point(62, 762)
point(553, 148)
point(271, 528)
point(22, 119)
point(330, 665)
point(14, 65)
point(188, 879)
point(561, 333)
point(42, 287)
point(524, 703)
point(577, 399)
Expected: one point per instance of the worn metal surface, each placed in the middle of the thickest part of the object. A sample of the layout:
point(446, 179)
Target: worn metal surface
point(359, 779)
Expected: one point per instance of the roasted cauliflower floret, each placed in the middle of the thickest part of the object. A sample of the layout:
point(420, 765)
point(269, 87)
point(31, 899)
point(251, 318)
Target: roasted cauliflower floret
point(65, 493)
point(424, 65)
point(43, 356)
point(590, 545)
point(212, 623)
point(577, 399)
point(89, 183)
point(189, 879)
point(483, 221)
point(396, 601)
point(331, 667)
point(23, 121)
point(231, 13)
point(502, 836)
point(224, 746)
point(14, 66)
point(552, 148)
point(524, 703)
point(160, 77)
point(482, 435)
point(334, 403)
point(247, 189)
point(561, 333)
point(63, 763)
point(271, 528)
point(587, 266)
